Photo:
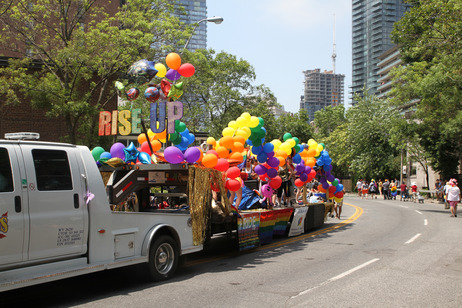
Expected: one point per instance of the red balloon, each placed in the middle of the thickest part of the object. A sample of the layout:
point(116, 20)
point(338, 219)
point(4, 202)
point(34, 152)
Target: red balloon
point(233, 184)
point(186, 70)
point(339, 194)
point(263, 177)
point(299, 183)
point(222, 164)
point(275, 182)
point(332, 190)
point(145, 148)
point(233, 172)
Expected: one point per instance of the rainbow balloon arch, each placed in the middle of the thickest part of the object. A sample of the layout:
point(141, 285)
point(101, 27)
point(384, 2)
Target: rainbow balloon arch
point(243, 137)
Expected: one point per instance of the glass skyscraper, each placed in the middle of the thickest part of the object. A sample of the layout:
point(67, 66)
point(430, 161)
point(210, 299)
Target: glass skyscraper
point(194, 12)
point(372, 24)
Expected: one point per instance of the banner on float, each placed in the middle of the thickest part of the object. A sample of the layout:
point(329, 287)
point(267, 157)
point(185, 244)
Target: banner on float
point(283, 217)
point(298, 222)
point(267, 222)
point(247, 230)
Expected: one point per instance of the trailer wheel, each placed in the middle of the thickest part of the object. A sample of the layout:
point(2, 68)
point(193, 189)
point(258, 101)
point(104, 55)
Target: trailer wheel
point(163, 258)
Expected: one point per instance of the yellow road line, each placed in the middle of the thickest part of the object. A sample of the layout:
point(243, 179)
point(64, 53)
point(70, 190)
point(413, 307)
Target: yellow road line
point(359, 211)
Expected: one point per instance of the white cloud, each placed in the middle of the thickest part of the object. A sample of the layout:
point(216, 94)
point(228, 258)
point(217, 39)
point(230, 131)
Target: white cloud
point(308, 13)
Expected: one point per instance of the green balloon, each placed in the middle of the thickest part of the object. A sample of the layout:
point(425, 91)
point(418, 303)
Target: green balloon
point(173, 137)
point(262, 122)
point(297, 141)
point(287, 136)
point(96, 152)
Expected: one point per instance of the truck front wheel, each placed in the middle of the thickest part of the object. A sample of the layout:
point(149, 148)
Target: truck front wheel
point(163, 258)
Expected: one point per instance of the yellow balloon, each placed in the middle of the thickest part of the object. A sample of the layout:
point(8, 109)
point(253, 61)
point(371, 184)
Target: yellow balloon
point(319, 147)
point(242, 133)
point(277, 143)
point(313, 145)
point(233, 124)
point(241, 122)
point(211, 140)
point(254, 121)
point(291, 142)
point(246, 116)
point(151, 134)
point(247, 131)
point(311, 141)
point(228, 131)
point(161, 70)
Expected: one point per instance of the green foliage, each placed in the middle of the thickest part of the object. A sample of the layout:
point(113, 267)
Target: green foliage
point(327, 120)
point(295, 124)
point(78, 51)
point(429, 36)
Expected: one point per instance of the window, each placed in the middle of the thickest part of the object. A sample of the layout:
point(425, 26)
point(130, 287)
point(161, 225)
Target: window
point(52, 170)
point(6, 177)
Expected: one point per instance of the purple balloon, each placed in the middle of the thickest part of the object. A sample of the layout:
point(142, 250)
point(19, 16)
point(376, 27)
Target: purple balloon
point(325, 185)
point(260, 169)
point(173, 75)
point(173, 155)
point(330, 177)
point(117, 150)
point(272, 172)
point(304, 177)
point(300, 168)
point(192, 154)
point(270, 154)
point(307, 169)
point(273, 162)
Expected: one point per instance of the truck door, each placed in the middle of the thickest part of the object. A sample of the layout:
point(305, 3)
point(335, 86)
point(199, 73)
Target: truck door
point(58, 216)
point(13, 229)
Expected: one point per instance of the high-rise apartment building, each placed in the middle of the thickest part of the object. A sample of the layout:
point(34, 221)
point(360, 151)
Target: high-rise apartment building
point(321, 89)
point(372, 24)
point(194, 12)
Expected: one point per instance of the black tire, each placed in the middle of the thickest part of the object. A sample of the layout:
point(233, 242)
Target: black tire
point(163, 258)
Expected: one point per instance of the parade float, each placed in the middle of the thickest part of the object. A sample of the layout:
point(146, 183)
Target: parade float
point(168, 142)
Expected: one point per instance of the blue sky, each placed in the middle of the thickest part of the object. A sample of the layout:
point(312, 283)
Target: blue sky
point(282, 38)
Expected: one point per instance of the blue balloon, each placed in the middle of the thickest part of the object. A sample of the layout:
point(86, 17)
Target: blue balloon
point(339, 188)
point(297, 158)
point(191, 138)
point(144, 158)
point(105, 155)
point(268, 147)
point(262, 157)
point(257, 150)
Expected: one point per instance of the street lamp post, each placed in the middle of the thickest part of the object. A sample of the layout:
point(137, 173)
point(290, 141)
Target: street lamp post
point(216, 20)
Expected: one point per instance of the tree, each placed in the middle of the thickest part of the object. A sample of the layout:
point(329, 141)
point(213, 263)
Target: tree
point(77, 50)
point(296, 124)
point(368, 130)
point(328, 119)
point(429, 38)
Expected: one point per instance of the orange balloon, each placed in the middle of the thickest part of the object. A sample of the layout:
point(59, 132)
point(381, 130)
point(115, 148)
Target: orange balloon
point(238, 147)
point(142, 138)
point(310, 161)
point(227, 141)
point(202, 155)
point(311, 153)
point(156, 145)
point(222, 152)
point(161, 135)
point(239, 139)
point(282, 161)
point(320, 188)
point(236, 156)
point(281, 153)
point(173, 60)
point(209, 160)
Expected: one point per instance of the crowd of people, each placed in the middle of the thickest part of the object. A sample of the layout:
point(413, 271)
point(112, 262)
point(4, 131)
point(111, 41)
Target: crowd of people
point(446, 192)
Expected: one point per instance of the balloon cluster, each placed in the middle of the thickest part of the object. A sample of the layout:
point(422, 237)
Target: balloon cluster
point(181, 138)
point(143, 71)
point(119, 155)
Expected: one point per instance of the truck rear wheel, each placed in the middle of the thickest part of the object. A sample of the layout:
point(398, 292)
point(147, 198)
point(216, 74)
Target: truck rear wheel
point(163, 258)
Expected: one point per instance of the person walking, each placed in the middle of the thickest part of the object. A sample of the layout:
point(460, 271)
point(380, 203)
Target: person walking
point(365, 189)
point(359, 187)
point(380, 183)
point(403, 190)
point(414, 191)
point(445, 190)
point(453, 196)
point(386, 189)
point(373, 189)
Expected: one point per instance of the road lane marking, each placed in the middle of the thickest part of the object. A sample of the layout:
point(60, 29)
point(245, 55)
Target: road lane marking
point(413, 239)
point(340, 276)
point(419, 212)
point(359, 211)
point(425, 222)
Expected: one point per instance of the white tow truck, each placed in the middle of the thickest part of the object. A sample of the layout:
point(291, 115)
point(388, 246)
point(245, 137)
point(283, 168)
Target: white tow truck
point(57, 218)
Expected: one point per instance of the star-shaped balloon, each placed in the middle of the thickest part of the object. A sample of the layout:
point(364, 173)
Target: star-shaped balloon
point(131, 153)
point(176, 91)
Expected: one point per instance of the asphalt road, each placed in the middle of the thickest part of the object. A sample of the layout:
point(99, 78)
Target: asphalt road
point(380, 253)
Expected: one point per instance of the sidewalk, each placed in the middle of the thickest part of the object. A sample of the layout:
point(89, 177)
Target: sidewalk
point(429, 200)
